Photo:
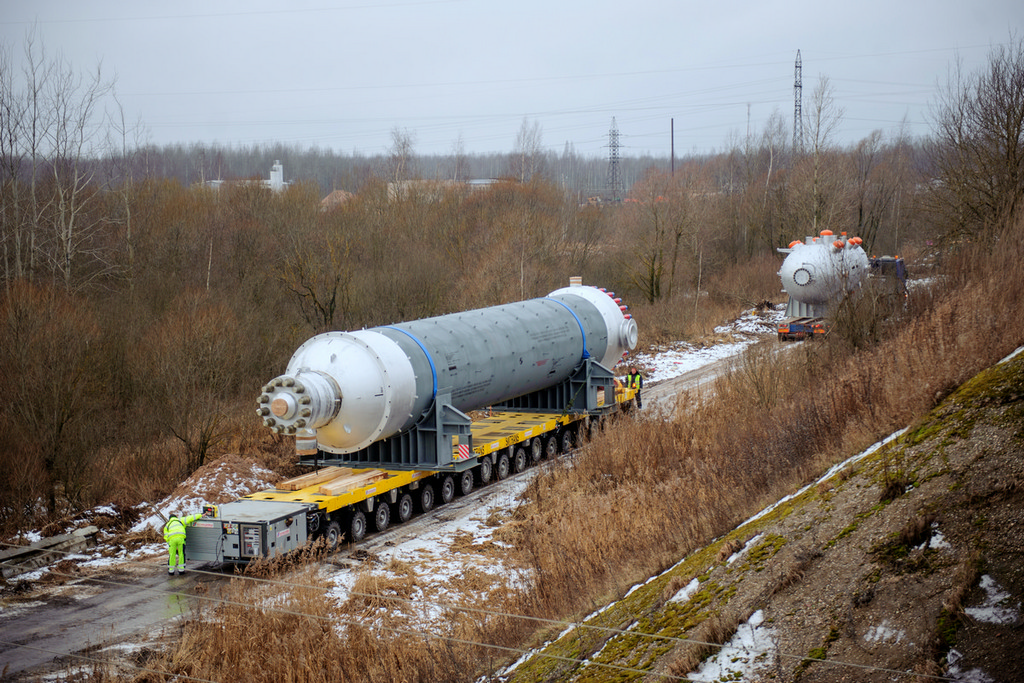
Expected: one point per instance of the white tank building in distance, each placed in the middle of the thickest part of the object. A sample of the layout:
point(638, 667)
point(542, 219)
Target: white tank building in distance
point(819, 270)
point(347, 392)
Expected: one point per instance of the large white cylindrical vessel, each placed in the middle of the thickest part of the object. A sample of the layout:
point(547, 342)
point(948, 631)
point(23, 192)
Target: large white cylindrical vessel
point(818, 270)
point(351, 389)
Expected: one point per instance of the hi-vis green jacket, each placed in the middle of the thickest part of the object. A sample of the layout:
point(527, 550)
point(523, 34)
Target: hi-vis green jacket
point(176, 526)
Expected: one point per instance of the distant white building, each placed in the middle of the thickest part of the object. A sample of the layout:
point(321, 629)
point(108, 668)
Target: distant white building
point(276, 182)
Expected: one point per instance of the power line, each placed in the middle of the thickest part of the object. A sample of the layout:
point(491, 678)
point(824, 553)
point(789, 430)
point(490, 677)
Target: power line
point(355, 622)
point(550, 622)
point(98, 660)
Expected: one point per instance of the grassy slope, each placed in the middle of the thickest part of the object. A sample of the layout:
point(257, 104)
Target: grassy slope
point(844, 557)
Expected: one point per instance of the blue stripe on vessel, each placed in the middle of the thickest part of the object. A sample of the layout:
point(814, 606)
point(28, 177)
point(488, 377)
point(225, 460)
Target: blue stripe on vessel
point(586, 354)
point(433, 370)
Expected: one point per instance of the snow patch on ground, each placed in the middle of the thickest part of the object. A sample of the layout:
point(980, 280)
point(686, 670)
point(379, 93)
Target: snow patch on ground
point(747, 652)
point(884, 633)
point(225, 480)
point(834, 470)
point(970, 675)
point(444, 565)
point(998, 605)
point(668, 361)
point(742, 551)
point(686, 592)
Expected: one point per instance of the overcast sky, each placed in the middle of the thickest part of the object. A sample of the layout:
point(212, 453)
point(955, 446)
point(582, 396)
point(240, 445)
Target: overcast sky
point(344, 74)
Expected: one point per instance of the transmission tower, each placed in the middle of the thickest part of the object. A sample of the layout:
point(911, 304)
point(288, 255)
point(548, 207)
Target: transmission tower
point(798, 96)
point(614, 175)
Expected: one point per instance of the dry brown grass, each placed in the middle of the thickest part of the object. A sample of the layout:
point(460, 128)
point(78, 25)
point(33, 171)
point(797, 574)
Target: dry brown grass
point(641, 495)
point(644, 494)
point(705, 641)
point(273, 633)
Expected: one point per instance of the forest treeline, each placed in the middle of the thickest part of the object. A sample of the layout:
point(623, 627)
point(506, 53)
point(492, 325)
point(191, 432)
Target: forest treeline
point(141, 313)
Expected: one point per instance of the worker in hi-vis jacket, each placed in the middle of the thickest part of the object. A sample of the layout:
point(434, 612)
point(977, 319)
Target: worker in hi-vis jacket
point(174, 534)
point(634, 380)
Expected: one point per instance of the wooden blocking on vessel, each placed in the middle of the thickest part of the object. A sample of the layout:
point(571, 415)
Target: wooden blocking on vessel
point(311, 479)
point(352, 481)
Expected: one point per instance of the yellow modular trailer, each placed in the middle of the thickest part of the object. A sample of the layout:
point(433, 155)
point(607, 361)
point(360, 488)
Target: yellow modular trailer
point(338, 503)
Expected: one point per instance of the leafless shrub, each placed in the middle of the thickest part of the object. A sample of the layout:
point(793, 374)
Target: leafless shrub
point(795, 573)
point(893, 486)
point(966, 576)
point(761, 374)
point(728, 549)
point(917, 530)
point(675, 584)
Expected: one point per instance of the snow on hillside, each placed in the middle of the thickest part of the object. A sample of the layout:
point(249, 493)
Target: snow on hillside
point(679, 358)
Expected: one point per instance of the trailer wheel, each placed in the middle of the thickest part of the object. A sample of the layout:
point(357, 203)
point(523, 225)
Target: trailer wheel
point(536, 450)
point(382, 518)
point(566, 440)
point(404, 508)
point(550, 446)
point(447, 489)
point(332, 536)
point(519, 459)
point(466, 482)
point(484, 470)
point(357, 526)
point(427, 498)
point(503, 466)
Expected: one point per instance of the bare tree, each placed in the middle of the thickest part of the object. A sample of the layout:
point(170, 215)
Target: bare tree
point(316, 271)
point(11, 119)
point(527, 159)
point(651, 235)
point(823, 119)
point(456, 166)
point(881, 173)
point(123, 141)
point(190, 363)
point(51, 125)
point(770, 160)
point(22, 128)
point(49, 373)
point(978, 148)
point(400, 156)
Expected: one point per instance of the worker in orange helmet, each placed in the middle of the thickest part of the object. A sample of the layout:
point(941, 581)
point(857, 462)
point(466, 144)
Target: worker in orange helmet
point(174, 534)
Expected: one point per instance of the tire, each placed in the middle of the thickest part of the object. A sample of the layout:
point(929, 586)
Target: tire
point(426, 498)
point(404, 508)
point(550, 446)
point(447, 489)
point(502, 468)
point(536, 450)
point(519, 459)
point(484, 470)
point(357, 526)
point(466, 482)
point(382, 516)
point(566, 440)
point(332, 536)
